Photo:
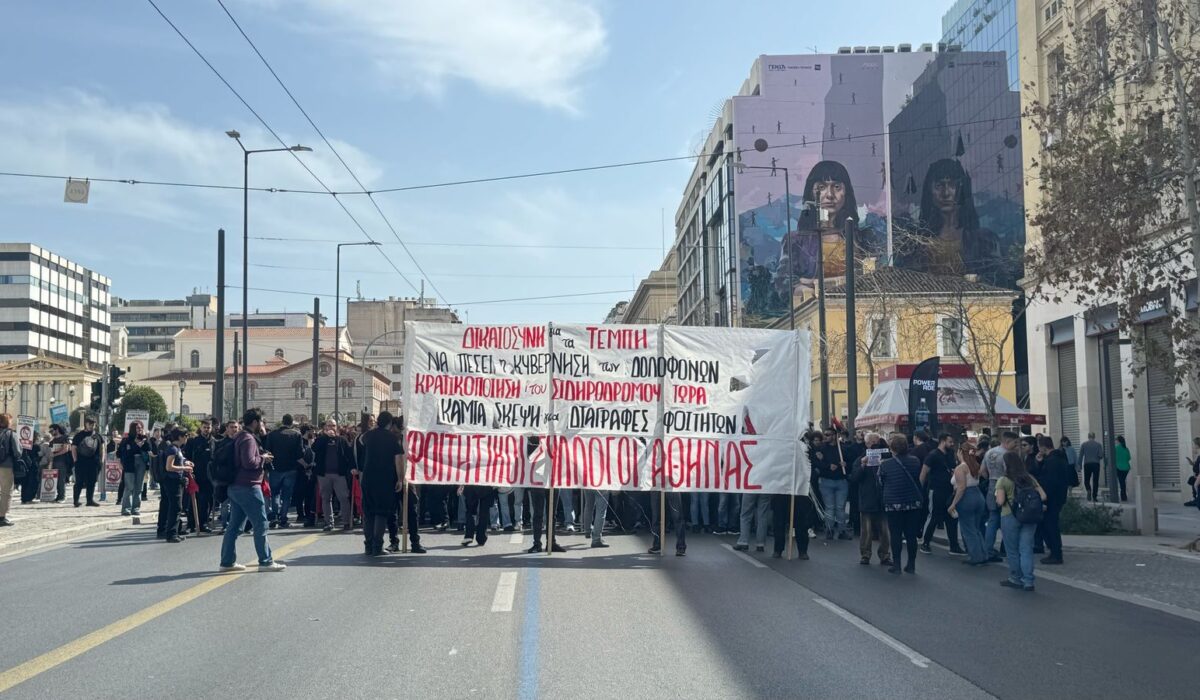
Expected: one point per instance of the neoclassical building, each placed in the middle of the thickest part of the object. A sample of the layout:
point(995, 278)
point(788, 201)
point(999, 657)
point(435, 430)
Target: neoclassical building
point(29, 387)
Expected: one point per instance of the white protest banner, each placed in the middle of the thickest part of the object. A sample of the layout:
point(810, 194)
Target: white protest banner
point(137, 416)
point(613, 407)
point(26, 425)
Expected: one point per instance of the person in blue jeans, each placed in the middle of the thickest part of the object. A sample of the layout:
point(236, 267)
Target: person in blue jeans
point(835, 489)
point(993, 467)
point(246, 498)
point(287, 447)
point(1018, 536)
point(701, 519)
point(968, 506)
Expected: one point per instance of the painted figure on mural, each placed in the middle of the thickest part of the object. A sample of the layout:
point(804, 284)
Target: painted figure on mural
point(948, 238)
point(828, 187)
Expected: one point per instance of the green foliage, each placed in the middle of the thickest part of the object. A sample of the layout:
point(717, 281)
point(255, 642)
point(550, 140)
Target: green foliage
point(141, 398)
point(188, 423)
point(1081, 518)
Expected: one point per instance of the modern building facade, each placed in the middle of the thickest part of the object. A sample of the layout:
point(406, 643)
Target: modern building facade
point(377, 326)
point(52, 307)
point(985, 25)
point(152, 323)
point(1081, 364)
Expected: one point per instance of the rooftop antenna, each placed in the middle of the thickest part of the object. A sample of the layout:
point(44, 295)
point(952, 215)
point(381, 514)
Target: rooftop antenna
point(358, 289)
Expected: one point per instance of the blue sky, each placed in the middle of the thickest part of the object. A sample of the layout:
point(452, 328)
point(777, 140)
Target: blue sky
point(409, 93)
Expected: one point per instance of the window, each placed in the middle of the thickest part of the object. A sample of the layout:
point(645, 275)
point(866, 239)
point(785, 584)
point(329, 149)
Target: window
point(324, 369)
point(882, 338)
point(397, 369)
point(1051, 9)
point(1100, 38)
point(1150, 27)
point(279, 353)
point(300, 388)
point(950, 337)
point(195, 359)
point(1058, 69)
point(347, 388)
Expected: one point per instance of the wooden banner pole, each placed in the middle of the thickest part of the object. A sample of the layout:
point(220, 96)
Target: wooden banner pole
point(791, 531)
point(404, 521)
point(662, 521)
point(550, 525)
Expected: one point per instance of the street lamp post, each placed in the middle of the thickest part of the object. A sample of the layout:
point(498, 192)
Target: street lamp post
point(182, 386)
point(233, 134)
point(71, 393)
point(366, 353)
point(337, 320)
point(9, 393)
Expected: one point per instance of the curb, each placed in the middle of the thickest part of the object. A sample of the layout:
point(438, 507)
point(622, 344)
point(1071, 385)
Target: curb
point(1165, 550)
point(26, 544)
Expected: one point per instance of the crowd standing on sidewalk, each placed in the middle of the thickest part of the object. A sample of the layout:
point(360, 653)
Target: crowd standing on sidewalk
point(892, 494)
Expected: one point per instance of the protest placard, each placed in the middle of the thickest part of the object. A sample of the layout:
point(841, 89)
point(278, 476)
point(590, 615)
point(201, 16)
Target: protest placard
point(137, 416)
point(58, 414)
point(26, 425)
point(49, 490)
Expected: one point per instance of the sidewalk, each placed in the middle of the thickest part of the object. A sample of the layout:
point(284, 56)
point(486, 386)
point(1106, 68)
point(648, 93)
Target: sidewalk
point(38, 524)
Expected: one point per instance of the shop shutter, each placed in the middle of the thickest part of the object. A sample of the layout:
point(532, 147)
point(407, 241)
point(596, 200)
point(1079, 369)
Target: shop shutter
point(1164, 430)
point(1068, 394)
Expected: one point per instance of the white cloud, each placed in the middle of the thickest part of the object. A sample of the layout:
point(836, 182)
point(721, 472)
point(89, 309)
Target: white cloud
point(535, 50)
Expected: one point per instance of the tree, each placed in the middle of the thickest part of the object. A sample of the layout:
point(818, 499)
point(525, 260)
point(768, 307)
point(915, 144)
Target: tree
point(1118, 219)
point(141, 398)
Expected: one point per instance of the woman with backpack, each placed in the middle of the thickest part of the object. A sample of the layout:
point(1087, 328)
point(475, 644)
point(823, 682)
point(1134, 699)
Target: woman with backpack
point(10, 452)
point(903, 501)
point(1021, 501)
point(968, 506)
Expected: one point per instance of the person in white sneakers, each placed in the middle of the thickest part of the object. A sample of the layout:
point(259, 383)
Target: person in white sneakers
point(246, 497)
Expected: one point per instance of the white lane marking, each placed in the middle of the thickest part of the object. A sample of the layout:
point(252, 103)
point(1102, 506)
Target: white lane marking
point(517, 538)
point(745, 556)
point(917, 659)
point(1123, 597)
point(506, 589)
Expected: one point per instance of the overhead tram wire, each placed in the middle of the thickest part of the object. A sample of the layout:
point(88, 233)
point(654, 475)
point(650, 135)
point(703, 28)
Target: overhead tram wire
point(456, 303)
point(471, 244)
point(517, 176)
point(279, 139)
point(332, 149)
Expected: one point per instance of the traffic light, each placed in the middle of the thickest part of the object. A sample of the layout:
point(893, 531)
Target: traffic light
point(116, 385)
point(97, 395)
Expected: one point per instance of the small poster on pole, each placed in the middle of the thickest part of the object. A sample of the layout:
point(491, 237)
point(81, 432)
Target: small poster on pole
point(49, 485)
point(137, 416)
point(25, 427)
point(112, 473)
point(77, 191)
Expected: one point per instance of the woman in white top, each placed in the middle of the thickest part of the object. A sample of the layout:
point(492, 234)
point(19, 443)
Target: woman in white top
point(968, 506)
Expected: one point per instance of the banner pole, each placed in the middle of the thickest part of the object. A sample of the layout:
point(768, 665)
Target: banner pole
point(404, 521)
point(550, 525)
point(662, 521)
point(791, 531)
point(195, 514)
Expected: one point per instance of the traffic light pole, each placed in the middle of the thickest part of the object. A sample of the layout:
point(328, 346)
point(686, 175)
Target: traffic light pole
point(102, 421)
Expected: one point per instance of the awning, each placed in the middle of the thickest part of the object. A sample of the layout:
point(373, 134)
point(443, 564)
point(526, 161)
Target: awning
point(959, 402)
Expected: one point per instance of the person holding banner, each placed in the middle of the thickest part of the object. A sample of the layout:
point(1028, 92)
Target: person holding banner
point(10, 452)
point(479, 501)
point(679, 522)
point(872, 523)
point(537, 505)
point(802, 519)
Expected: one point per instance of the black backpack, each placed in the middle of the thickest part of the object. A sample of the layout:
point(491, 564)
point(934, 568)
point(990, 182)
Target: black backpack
point(158, 468)
point(1027, 506)
point(223, 465)
point(6, 438)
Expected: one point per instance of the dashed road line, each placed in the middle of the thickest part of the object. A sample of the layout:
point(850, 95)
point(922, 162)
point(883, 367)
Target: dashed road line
point(506, 589)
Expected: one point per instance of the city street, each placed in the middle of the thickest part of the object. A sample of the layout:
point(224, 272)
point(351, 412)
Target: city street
point(122, 616)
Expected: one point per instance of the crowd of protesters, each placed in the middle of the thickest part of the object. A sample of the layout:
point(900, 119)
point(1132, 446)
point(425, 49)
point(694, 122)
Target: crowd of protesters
point(892, 493)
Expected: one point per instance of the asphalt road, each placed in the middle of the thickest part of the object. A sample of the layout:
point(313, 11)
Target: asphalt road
point(125, 616)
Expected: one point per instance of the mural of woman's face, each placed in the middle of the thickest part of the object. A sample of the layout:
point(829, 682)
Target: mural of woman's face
point(830, 195)
point(945, 194)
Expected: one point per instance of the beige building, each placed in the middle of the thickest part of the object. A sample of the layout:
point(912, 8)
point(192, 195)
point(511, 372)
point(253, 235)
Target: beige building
point(377, 326)
point(278, 386)
point(29, 387)
point(657, 296)
point(1080, 364)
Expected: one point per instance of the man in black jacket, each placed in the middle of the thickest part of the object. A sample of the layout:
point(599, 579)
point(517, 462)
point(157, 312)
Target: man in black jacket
point(285, 444)
point(873, 523)
point(1054, 474)
point(199, 450)
point(334, 459)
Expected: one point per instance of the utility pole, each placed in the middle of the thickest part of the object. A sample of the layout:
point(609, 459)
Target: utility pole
point(851, 333)
point(218, 407)
point(316, 356)
point(235, 375)
point(821, 329)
